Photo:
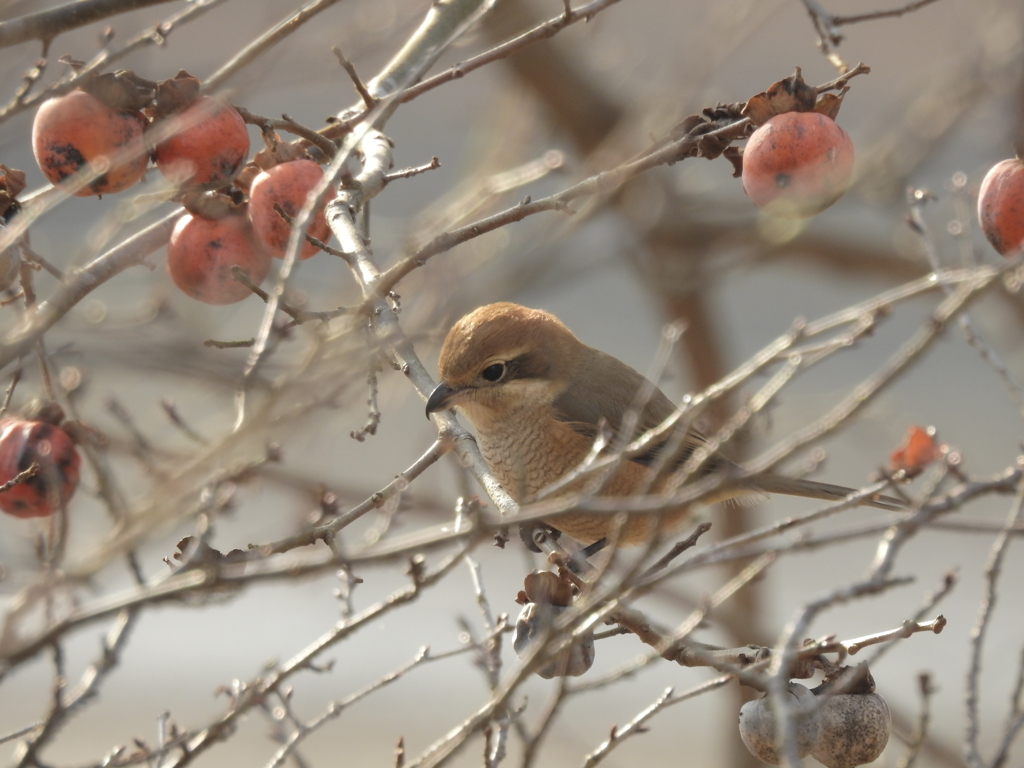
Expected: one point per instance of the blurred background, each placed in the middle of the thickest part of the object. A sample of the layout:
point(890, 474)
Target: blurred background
point(682, 243)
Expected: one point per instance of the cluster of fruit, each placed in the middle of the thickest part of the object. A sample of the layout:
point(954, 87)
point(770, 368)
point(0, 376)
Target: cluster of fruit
point(842, 725)
point(798, 162)
point(99, 139)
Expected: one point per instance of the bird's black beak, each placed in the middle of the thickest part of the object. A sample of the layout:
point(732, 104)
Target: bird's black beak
point(441, 398)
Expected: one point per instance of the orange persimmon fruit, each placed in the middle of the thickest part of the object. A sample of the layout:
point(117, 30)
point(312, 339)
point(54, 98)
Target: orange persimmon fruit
point(77, 130)
point(1001, 206)
point(797, 164)
point(28, 442)
point(288, 185)
point(202, 251)
point(210, 148)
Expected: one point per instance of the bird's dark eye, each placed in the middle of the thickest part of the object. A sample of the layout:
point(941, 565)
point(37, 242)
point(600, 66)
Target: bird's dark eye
point(494, 371)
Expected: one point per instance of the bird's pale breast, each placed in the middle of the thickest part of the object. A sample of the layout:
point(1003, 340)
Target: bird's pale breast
point(530, 450)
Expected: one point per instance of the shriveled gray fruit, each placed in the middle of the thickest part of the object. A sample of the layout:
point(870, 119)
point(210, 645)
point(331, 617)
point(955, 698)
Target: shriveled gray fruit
point(855, 728)
point(758, 727)
point(532, 627)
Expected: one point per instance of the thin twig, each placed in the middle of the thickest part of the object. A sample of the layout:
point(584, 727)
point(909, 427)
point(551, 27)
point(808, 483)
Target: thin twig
point(31, 77)
point(244, 344)
point(31, 256)
point(21, 732)
point(357, 81)
point(155, 35)
point(548, 716)
point(286, 123)
point(263, 43)
point(255, 692)
point(79, 283)
point(400, 483)
point(21, 477)
point(927, 690)
point(335, 708)
point(855, 18)
point(677, 549)
point(993, 569)
point(64, 706)
point(300, 316)
point(865, 392)
point(636, 725)
point(373, 420)
point(827, 25)
point(290, 221)
point(408, 173)
point(177, 420)
point(909, 628)
point(541, 32)
point(918, 199)
point(46, 25)
point(9, 393)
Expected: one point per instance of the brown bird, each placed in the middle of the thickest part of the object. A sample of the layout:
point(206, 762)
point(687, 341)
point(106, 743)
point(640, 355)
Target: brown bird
point(537, 397)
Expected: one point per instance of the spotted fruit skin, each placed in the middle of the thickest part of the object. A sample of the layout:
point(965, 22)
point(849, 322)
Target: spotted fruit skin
point(759, 730)
point(1001, 206)
point(209, 151)
point(25, 442)
point(855, 728)
point(74, 130)
point(287, 184)
point(201, 252)
point(797, 164)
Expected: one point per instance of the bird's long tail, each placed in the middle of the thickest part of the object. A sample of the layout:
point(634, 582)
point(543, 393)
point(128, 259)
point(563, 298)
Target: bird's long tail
point(811, 489)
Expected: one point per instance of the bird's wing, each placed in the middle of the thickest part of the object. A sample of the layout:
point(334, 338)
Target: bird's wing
point(606, 389)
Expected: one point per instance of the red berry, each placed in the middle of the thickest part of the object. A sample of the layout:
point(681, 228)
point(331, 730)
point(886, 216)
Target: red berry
point(797, 164)
point(24, 443)
point(201, 252)
point(1001, 206)
point(288, 185)
point(75, 130)
point(210, 148)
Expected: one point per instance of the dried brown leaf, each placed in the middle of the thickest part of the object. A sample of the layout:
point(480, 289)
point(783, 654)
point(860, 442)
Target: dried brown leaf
point(792, 94)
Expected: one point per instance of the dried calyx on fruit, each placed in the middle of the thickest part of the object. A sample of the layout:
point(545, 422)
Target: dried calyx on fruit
point(201, 143)
point(855, 721)
point(798, 162)
point(759, 726)
point(548, 597)
point(90, 141)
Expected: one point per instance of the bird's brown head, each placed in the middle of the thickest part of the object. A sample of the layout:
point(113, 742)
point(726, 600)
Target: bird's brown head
point(501, 358)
